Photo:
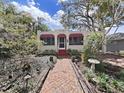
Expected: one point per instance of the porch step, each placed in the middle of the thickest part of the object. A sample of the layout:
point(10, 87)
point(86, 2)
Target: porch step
point(63, 53)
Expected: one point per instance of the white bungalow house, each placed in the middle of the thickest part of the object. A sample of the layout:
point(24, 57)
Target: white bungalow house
point(61, 40)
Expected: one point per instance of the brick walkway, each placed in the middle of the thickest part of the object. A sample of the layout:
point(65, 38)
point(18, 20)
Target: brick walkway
point(62, 79)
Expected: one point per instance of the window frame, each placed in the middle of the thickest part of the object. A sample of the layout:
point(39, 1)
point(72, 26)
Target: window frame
point(79, 40)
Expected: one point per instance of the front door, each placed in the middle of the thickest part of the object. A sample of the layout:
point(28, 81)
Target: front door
point(61, 43)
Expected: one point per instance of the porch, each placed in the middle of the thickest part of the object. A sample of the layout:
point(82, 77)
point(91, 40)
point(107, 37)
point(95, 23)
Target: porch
point(62, 42)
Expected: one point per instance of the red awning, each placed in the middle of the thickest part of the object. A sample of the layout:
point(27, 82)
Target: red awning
point(76, 35)
point(46, 35)
point(61, 35)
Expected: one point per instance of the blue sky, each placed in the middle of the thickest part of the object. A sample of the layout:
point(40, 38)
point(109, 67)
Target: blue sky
point(49, 6)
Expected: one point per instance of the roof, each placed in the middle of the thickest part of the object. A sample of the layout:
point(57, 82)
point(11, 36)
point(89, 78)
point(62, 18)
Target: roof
point(46, 35)
point(116, 36)
point(61, 32)
point(76, 35)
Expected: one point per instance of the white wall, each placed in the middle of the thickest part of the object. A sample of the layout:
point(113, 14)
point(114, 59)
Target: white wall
point(67, 33)
point(77, 47)
point(50, 47)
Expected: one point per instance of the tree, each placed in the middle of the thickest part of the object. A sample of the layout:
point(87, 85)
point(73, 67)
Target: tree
point(18, 36)
point(42, 27)
point(95, 15)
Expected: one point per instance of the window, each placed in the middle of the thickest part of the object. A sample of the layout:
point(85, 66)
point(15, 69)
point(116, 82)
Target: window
point(61, 40)
point(75, 40)
point(48, 40)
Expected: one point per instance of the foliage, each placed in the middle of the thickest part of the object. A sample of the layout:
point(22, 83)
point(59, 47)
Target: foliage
point(19, 32)
point(93, 46)
point(19, 89)
point(87, 54)
point(47, 52)
point(100, 67)
point(120, 75)
point(18, 39)
point(95, 15)
point(43, 27)
point(89, 75)
point(94, 39)
point(73, 52)
point(4, 51)
point(104, 82)
point(108, 83)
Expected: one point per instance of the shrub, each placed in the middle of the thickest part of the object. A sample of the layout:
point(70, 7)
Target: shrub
point(49, 52)
point(89, 75)
point(91, 49)
point(100, 67)
point(4, 50)
point(19, 89)
point(73, 52)
point(120, 75)
point(87, 54)
point(46, 53)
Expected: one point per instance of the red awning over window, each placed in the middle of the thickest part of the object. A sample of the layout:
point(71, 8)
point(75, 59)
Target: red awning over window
point(46, 35)
point(61, 35)
point(76, 35)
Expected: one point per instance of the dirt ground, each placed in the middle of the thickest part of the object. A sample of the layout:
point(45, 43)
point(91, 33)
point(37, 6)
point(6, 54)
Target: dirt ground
point(115, 60)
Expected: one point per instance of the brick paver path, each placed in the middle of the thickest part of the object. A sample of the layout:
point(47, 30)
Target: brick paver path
point(62, 79)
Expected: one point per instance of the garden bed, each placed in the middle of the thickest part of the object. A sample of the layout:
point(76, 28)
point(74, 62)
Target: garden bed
point(15, 71)
point(115, 60)
point(104, 82)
